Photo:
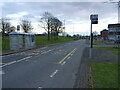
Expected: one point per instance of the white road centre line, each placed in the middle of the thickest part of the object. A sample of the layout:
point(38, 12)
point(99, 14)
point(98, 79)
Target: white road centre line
point(53, 74)
point(63, 63)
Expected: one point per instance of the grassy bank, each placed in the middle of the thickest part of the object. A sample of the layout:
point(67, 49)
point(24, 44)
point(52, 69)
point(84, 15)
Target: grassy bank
point(40, 41)
point(104, 75)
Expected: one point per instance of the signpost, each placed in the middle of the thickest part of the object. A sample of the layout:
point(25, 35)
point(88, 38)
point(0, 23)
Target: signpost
point(18, 27)
point(94, 20)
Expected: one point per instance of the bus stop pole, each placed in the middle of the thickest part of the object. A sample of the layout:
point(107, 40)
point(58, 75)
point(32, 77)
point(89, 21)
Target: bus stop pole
point(91, 36)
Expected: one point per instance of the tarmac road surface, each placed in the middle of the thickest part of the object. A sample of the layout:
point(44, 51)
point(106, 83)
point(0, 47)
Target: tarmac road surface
point(47, 67)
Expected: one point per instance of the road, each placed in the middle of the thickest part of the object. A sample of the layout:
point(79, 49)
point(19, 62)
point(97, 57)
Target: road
point(47, 67)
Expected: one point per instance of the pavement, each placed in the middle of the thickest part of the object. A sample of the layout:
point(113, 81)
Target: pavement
point(83, 79)
point(53, 66)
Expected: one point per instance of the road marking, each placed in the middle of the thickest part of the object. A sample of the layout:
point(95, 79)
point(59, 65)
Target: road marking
point(40, 88)
point(8, 55)
point(43, 47)
point(23, 59)
point(53, 74)
point(9, 63)
point(63, 63)
point(71, 54)
point(2, 63)
point(67, 56)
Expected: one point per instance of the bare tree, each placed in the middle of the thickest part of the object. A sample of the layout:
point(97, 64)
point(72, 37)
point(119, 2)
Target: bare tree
point(26, 25)
point(11, 29)
point(56, 26)
point(5, 26)
point(46, 21)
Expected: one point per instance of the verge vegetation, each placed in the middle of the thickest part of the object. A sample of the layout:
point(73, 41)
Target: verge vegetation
point(40, 41)
point(104, 75)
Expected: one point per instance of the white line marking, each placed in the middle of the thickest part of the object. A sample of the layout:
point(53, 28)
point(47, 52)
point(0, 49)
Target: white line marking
point(16, 61)
point(53, 74)
point(23, 59)
point(11, 63)
point(68, 58)
point(71, 54)
point(40, 87)
point(63, 63)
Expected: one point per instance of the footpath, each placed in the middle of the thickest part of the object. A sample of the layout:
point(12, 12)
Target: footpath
point(83, 79)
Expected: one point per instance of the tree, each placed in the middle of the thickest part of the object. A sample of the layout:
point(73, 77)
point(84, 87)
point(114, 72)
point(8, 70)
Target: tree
point(51, 24)
point(26, 25)
point(95, 33)
point(5, 26)
point(56, 26)
point(11, 29)
point(46, 22)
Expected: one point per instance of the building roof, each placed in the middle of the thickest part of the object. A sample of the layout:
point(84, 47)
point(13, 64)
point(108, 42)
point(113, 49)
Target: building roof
point(114, 25)
point(21, 33)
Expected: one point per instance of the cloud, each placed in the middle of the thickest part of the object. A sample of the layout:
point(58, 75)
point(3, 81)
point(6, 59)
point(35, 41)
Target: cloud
point(77, 13)
point(17, 15)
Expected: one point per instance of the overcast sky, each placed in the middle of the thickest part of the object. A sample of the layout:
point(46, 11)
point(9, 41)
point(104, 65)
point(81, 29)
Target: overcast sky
point(76, 14)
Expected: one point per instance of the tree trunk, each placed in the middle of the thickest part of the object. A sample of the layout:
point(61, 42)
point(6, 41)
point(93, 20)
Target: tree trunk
point(48, 30)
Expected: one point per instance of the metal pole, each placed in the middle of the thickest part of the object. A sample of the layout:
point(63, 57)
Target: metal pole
point(90, 40)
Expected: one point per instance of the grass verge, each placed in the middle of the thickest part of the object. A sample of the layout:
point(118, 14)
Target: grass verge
point(95, 42)
point(114, 50)
point(40, 41)
point(104, 75)
point(43, 41)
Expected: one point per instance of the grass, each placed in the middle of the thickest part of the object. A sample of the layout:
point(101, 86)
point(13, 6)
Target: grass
point(104, 75)
point(95, 42)
point(40, 41)
point(114, 50)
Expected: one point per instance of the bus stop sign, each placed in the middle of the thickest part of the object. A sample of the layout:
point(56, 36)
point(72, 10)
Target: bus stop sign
point(94, 19)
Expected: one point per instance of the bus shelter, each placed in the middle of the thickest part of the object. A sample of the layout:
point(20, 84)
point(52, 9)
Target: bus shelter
point(21, 41)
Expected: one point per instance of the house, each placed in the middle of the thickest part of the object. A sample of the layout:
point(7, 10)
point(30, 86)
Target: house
point(104, 34)
point(114, 31)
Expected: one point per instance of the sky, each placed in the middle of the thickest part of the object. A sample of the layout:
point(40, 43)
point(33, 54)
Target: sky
point(75, 14)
